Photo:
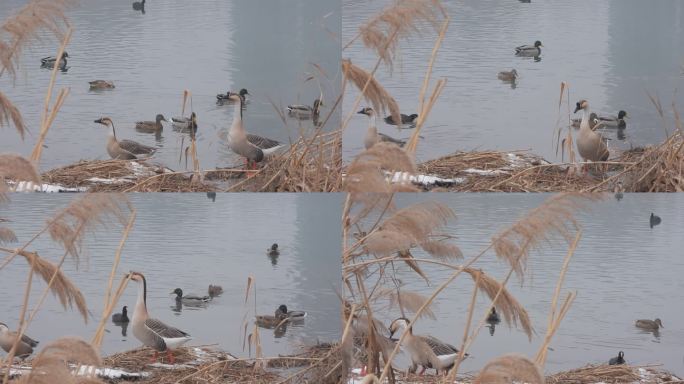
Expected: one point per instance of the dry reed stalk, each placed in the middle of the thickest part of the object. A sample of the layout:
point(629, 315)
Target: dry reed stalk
point(554, 320)
point(110, 301)
point(554, 217)
point(51, 364)
point(509, 369)
point(48, 115)
point(69, 226)
point(17, 168)
point(9, 112)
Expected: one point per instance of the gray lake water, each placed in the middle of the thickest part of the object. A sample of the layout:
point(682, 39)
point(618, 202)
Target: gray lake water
point(206, 46)
point(188, 241)
point(612, 53)
point(622, 270)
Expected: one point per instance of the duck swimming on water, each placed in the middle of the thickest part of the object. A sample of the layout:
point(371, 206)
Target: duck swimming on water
point(529, 50)
point(49, 62)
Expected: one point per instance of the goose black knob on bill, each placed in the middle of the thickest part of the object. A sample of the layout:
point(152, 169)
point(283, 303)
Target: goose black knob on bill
point(124, 149)
point(253, 148)
point(372, 135)
point(24, 347)
point(654, 220)
point(426, 351)
point(151, 332)
point(618, 360)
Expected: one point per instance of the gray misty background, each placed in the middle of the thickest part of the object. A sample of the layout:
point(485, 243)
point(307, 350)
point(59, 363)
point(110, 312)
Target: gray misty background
point(612, 53)
point(622, 270)
point(187, 241)
point(205, 46)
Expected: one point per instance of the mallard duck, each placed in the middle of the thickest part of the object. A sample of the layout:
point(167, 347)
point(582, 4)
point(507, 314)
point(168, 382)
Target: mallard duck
point(152, 332)
point(493, 317)
point(509, 76)
point(372, 135)
point(49, 62)
point(121, 317)
point(614, 121)
point(651, 325)
point(24, 347)
point(124, 149)
point(304, 111)
point(253, 148)
point(619, 360)
point(268, 321)
point(590, 144)
point(593, 120)
point(529, 50)
point(139, 6)
point(653, 221)
point(292, 315)
point(226, 96)
point(426, 351)
point(185, 123)
point(273, 250)
point(101, 84)
point(151, 126)
point(189, 299)
point(405, 119)
point(214, 290)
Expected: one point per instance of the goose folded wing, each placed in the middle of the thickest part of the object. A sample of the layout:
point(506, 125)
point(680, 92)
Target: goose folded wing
point(391, 139)
point(135, 147)
point(438, 347)
point(262, 142)
point(29, 340)
point(164, 331)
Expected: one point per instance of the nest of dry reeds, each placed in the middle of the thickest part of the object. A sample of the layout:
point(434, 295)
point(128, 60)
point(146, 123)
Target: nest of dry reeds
point(311, 164)
point(651, 169)
point(607, 374)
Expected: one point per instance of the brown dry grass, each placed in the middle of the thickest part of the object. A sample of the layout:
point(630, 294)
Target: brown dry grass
point(508, 369)
point(66, 291)
point(374, 93)
point(50, 365)
point(555, 217)
point(400, 20)
point(9, 112)
point(69, 226)
point(17, 168)
point(7, 235)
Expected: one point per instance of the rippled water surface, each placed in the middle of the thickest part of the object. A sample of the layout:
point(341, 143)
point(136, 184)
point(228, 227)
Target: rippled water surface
point(188, 241)
point(612, 53)
point(205, 46)
point(622, 270)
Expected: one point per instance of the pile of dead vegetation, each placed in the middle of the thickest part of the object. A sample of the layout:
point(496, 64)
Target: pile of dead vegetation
point(310, 165)
point(657, 168)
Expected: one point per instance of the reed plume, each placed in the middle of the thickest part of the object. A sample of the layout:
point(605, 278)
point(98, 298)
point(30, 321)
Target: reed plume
point(404, 17)
point(51, 364)
point(18, 30)
point(366, 174)
point(374, 93)
point(513, 312)
point(554, 217)
point(9, 112)
point(70, 225)
point(510, 368)
point(68, 294)
point(7, 236)
point(17, 168)
point(442, 250)
point(407, 227)
point(411, 301)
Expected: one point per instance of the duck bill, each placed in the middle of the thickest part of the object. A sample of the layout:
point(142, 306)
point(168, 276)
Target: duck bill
point(577, 108)
point(361, 112)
